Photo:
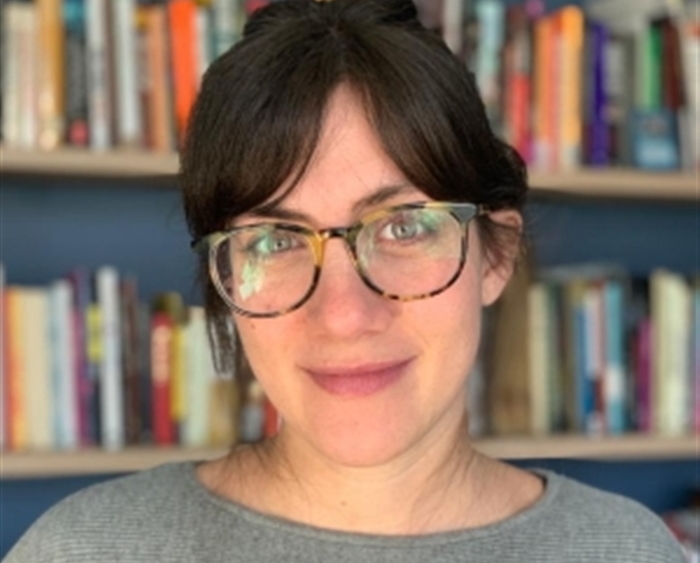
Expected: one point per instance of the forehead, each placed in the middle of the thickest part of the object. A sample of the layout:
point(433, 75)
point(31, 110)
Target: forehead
point(348, 167)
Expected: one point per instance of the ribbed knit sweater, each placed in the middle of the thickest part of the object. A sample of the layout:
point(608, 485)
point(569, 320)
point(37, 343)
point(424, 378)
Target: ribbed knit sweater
point(165, 515)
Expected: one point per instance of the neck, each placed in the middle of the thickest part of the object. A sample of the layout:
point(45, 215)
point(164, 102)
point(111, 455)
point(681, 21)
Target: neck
point(427, 489)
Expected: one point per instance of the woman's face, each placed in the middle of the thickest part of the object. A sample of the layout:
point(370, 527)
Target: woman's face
point(357, 378)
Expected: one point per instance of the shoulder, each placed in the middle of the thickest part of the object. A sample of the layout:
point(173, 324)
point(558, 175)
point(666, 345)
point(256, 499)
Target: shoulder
point(106, 517)
point(607, 526)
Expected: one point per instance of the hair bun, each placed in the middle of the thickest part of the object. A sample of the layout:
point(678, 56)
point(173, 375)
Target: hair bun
point(390, 11)
point(386, 12)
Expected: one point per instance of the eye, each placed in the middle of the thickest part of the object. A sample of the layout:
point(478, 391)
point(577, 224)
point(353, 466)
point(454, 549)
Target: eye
point(272, 242)
point(407, 226)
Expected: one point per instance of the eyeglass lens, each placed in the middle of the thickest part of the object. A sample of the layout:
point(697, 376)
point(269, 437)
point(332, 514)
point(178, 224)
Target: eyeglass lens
point(406, 253)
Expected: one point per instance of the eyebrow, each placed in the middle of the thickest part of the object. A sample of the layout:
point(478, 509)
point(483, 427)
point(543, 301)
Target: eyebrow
point(379, 196)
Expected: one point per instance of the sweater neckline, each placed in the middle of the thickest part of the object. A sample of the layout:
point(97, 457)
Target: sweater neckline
point(280, 525)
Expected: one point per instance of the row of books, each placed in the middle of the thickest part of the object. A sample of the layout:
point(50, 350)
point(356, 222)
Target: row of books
point(612, 83)
point(586, 349)
point(582, 349)
point(86, 363)
point(103, 74)
point(565, 88)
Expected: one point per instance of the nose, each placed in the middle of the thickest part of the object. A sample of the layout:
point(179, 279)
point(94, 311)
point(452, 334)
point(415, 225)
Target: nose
point(342, 305)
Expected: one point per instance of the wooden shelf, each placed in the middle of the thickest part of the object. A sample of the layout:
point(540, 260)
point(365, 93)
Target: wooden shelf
point(124, 163)
point(95, 461)
point(619, 183)
point(613, 183)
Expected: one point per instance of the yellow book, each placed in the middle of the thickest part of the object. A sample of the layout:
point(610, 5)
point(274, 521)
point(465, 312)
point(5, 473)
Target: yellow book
point(51, 72)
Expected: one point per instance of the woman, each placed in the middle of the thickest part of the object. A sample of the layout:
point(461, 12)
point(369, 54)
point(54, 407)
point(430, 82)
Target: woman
point(354, 213)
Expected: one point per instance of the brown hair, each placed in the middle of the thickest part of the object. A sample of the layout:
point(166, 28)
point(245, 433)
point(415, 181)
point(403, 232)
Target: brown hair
point(257, 120)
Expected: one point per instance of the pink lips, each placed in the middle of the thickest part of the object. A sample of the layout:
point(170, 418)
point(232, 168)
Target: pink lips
point(358, 381)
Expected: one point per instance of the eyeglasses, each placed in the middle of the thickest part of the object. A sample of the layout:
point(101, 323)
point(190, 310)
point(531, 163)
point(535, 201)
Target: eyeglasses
point(405, 252)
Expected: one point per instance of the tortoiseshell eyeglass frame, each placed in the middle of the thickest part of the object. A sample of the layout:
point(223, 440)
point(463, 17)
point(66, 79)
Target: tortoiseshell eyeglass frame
point(463, 213)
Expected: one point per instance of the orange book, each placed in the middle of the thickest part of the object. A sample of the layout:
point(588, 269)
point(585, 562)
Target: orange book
point(182, 15)
point(571, 27)
point(6, 367)
point(51, 71)
point(544, 111)
point(17, 429)
point(155, 84)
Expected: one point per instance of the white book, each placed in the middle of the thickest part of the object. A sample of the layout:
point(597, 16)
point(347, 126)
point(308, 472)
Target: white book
point(670, 314)
point(11, 22)
point(200, 376)
point(36, 362)
point(28, 132)
point(538, 340)
point(129, 126)
point(111, 381)
point(65, 389)
point(98, 79)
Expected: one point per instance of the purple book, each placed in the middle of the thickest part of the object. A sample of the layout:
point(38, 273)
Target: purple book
point(596, 126)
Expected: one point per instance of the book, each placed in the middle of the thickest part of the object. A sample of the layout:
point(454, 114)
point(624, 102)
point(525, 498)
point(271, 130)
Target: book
point(670, 314)
point(36, 371)
point(112, 428)
point(99, 79)
point(64, 383)
point(127, 100)
point(76, 86)
point(571, 39)
point(51, 67)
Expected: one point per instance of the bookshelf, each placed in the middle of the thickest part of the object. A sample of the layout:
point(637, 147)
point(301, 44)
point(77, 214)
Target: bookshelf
point(138, 165)
point(134, 168)
point(96, 461)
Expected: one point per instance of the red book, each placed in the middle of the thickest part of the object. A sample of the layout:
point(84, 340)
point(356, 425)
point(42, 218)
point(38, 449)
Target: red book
point(161, 368)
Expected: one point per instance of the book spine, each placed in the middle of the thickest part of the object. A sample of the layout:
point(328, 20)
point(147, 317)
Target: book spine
point(36, 362)
point(75, 70)
point(130, 359)
point(11, 76)
point(599, 143)
point(491, 20)
point(570, 58)
point(111, 385)
point(614, 375)
point(126, 73)
point(62, 341)
point(538, 357)
point(182, 15)
point(160, 108)
point(99, 79)
point(695, 371)
point(51, 67)
point(27, 59)
point(161, 368)
point(4, 364)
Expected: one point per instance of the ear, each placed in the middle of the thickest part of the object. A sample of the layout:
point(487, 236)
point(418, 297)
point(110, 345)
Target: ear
point(498, 263)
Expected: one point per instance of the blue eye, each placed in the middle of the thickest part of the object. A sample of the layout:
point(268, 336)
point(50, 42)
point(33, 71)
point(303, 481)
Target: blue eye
point(273, 242)
point(409, 226)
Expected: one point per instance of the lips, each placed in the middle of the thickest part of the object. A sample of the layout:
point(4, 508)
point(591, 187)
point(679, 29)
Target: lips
point(359, 381)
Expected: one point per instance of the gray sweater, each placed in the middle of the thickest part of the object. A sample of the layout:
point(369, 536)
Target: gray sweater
point(165, 515)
